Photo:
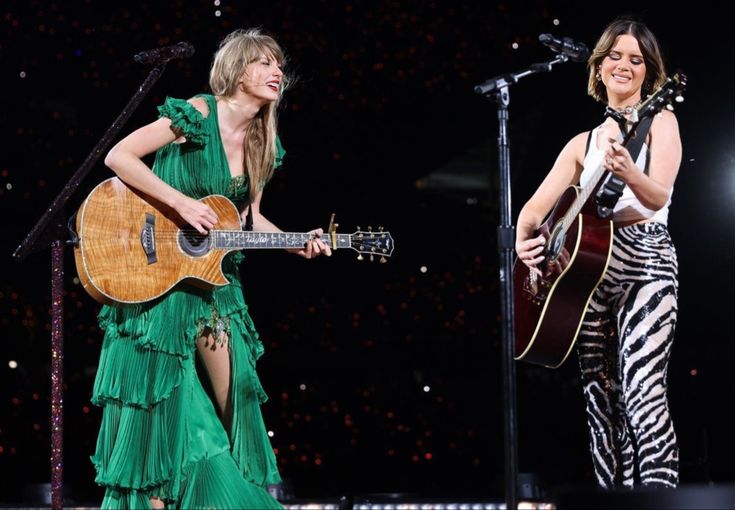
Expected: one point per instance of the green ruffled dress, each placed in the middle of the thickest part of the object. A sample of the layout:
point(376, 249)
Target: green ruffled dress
point(160, 434)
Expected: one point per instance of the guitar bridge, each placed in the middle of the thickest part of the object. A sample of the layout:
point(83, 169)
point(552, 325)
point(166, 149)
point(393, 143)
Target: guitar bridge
point(148, 238)
point(536, 288)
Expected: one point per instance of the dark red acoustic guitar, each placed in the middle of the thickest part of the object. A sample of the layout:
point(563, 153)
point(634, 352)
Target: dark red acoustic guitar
point(549, 309)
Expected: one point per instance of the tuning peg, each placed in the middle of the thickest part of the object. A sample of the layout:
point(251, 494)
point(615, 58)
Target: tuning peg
point(383, 260)
point(360, 257)
point(380, 229)
point(371, 257)
point(370, 229)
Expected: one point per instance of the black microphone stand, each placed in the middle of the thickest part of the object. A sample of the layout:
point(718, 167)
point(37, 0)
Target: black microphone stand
point(497, 89)
point(50, 231)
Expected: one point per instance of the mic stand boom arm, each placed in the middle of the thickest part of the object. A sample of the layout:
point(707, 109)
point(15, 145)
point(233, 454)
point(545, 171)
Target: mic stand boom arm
point(497, 89)
point(499, 82)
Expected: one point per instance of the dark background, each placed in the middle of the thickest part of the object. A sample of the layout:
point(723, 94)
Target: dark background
point(383, 101)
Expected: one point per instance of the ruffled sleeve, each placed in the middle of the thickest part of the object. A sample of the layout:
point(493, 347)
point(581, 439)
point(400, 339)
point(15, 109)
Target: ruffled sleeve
point(280, 153)
point(185, 119)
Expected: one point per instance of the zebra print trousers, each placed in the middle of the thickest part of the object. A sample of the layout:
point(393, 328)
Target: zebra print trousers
point(623, 347)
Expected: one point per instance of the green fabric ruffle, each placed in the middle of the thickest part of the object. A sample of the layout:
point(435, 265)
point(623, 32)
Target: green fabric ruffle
point(185, 119)
point(158, 421)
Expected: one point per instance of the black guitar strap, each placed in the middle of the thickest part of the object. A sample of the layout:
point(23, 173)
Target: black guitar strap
point(249, 220)
point(611, 190)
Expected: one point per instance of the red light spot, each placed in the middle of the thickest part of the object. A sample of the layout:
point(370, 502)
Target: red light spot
point(428, 456)
point(85, 410)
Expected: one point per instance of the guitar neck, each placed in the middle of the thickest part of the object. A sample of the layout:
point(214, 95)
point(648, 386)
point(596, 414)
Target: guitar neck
point(243, 240)
point(576, 206)
point(587, 191)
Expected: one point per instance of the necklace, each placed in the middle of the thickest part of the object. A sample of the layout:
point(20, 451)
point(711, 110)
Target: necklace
point(627, 110)
point(623, 116)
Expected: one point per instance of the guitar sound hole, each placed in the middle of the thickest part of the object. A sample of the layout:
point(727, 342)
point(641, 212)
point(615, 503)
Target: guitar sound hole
point(193, 243)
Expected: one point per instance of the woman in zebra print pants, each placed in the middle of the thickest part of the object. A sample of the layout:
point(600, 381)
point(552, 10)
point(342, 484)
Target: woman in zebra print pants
point(627, 333)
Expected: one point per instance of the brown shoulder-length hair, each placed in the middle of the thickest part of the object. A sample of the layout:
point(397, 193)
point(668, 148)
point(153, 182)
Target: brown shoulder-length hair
point(236, 51)
point(655, 70)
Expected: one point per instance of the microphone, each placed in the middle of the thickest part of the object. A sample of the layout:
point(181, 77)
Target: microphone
point(165, 53)
point(578, 52)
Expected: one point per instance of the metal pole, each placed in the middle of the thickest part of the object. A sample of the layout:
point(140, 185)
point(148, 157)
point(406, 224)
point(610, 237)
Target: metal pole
point(506, 241)
point(57, 375)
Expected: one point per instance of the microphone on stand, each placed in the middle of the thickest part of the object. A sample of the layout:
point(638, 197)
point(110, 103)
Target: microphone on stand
point(165, 53)
point(577, 52)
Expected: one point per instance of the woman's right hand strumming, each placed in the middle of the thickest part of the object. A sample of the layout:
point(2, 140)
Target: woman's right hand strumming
point(197, 214)
point(530, 252)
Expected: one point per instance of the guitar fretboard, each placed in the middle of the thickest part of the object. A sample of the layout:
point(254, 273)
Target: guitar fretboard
point(584, 193)
point(240, 239)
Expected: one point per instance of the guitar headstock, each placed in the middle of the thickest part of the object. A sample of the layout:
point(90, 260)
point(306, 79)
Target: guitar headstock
point(371, 243)
point(670, 92)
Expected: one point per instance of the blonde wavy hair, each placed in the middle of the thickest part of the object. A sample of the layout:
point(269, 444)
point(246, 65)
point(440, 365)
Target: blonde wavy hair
point(236, 51)
point(655, 70)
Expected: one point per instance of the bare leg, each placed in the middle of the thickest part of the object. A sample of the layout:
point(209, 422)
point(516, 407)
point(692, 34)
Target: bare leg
point(157, 503)
point(215, 355)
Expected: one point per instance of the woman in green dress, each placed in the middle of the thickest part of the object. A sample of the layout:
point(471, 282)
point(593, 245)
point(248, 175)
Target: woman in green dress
point(164, 440)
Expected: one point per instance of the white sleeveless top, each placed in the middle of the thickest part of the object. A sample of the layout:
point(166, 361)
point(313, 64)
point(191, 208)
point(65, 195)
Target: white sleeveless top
point(628, 207)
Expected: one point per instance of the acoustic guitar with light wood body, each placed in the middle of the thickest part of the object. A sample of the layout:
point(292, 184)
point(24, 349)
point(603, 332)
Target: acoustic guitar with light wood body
point(130, 248)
